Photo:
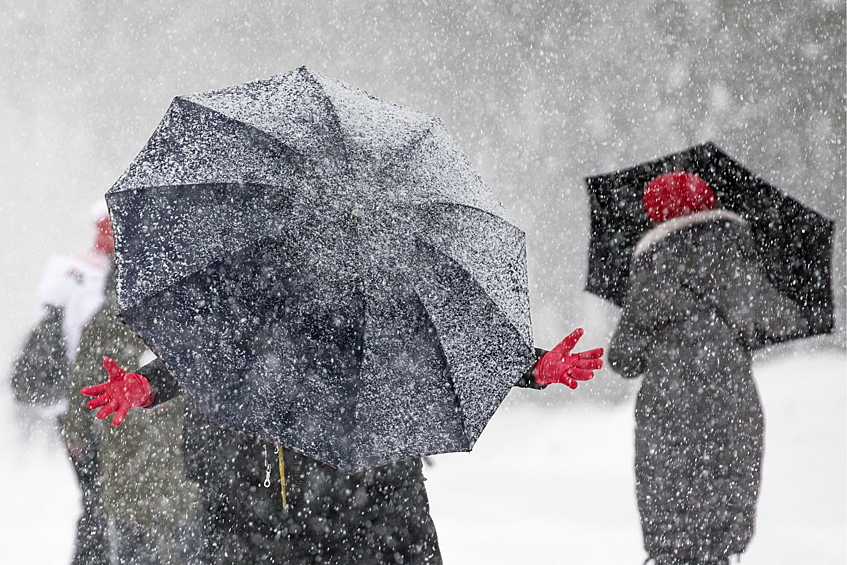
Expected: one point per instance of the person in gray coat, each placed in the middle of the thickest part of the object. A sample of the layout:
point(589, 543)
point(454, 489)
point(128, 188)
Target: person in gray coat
point(698, 301)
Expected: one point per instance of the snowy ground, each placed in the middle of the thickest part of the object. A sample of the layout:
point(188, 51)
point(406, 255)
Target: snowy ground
point(543, 485)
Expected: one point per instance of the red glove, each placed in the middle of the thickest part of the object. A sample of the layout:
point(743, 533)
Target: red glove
point(122, 392)
point(560, 366)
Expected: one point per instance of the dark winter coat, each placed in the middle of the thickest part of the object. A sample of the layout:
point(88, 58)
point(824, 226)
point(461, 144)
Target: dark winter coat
point(70, 291)
point(379, 515)
point(697, 298)
point(142, 475)
point(376, 516)
point(39, 375)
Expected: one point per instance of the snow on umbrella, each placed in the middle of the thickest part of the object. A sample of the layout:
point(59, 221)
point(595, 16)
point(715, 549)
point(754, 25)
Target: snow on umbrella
point(794, 242)
point(323, 268)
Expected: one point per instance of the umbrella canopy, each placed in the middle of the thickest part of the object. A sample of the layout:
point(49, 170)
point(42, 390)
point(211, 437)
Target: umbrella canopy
point(324, 269)
point(794, 242)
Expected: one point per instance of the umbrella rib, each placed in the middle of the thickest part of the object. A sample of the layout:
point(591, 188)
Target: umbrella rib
point(157, 187)
point(435, 203)
point(331, 110)
point(416, 142)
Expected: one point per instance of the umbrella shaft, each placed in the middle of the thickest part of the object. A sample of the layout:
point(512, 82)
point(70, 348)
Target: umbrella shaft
point(281, 461)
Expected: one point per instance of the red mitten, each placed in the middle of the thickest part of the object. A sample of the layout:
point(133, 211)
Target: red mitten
point(122, 392)
point(562, 366)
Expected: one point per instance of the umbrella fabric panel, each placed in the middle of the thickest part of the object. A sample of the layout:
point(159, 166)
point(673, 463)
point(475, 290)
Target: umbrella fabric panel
point(194, 144)
point(272, 363)
point(180, 229)
point(405, 405)
point(374, 130)
point(617, 223)
point(485, 353)
point(808, 278)
point(323, 119)
point(435, 170)
point(490, 250)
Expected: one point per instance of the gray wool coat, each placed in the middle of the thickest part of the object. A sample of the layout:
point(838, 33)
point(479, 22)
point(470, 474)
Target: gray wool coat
point(697, 299)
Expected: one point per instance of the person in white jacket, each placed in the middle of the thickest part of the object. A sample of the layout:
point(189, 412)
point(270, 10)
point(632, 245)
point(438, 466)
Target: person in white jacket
point(70, 292)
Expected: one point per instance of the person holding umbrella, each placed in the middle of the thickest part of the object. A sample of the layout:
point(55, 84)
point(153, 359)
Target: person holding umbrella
point(269, 504)
point(697, 303)
point(151, 507)
point(325, 270)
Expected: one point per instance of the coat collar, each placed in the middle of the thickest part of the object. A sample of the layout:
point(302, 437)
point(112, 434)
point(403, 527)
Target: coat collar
point(665, 229)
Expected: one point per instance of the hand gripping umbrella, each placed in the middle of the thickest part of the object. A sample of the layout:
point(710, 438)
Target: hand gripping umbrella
point(323, 268)
point(794, 242)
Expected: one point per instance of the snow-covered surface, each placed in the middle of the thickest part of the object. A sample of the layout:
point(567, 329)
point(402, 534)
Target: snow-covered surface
point(544, 485)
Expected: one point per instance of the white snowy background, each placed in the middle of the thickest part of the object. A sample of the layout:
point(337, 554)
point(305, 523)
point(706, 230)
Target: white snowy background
point(539, 93)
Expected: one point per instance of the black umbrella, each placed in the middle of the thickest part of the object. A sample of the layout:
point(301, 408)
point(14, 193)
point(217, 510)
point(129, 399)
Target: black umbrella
point(323, 268)
point(794, 242)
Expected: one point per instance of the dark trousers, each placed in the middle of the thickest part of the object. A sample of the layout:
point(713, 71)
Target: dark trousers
point(133, 546)
point(91, 547)
point(378, 517)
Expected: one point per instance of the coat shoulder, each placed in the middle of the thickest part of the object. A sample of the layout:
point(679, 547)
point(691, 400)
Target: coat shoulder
point(709, 239)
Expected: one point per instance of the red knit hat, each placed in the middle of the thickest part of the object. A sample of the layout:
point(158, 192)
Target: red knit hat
point(677, 194)
point(104, 239)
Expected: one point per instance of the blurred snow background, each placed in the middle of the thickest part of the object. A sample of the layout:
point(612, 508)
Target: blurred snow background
point(539, 94)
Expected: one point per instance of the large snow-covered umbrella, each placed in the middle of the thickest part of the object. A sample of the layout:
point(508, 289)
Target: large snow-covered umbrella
point(323, 268)
point(794, 241)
